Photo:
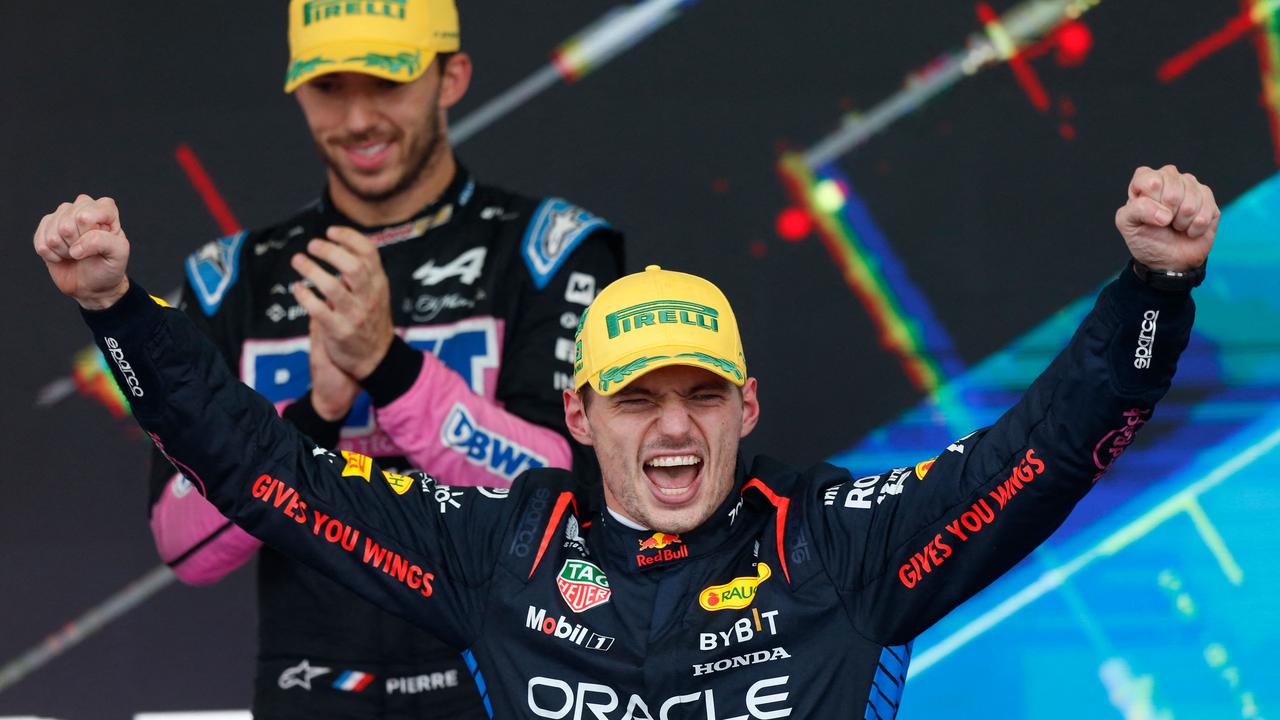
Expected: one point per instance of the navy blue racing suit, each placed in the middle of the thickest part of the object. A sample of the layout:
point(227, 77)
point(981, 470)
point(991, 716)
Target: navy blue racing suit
point(485, 287)
point(799, 597)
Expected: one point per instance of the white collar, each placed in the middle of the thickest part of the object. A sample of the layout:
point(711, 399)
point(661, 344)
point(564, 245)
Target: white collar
point(626, 521)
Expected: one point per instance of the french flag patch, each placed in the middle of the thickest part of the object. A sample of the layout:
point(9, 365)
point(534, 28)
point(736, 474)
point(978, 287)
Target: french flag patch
point(353, 681)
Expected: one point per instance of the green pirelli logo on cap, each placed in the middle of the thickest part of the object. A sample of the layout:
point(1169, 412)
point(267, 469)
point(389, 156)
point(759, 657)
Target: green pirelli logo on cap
point(318, 10)
point(619, 373)
point(298, 68)
point(664, 312)
point(393, 64)
point(719, 362)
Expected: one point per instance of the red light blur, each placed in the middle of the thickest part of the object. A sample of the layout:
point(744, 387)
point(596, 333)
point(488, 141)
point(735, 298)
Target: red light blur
point(794, 224)
point(1075, 40)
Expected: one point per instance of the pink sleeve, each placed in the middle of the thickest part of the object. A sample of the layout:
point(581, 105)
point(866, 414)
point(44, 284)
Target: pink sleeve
point(465, 439)
point(195, 539)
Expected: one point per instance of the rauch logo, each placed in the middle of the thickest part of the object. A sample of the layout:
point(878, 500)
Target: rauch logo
point(735, 594)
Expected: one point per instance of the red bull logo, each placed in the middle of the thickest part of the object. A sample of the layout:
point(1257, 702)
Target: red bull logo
point(657, 549)
point(922, 468)
point(659, 541)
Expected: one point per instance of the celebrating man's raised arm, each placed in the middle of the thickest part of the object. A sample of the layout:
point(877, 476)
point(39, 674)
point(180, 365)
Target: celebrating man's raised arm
point(909, 545)
point(384, 535)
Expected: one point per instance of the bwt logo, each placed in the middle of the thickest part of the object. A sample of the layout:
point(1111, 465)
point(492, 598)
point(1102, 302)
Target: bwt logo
point(662, 311)
point(484, 447)
point(279, 369)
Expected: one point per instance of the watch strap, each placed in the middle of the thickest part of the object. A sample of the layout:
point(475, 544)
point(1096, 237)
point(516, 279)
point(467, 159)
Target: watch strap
point(1170, 280)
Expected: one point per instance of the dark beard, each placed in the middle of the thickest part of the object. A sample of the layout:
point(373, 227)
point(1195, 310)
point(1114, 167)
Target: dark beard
point(419, 162)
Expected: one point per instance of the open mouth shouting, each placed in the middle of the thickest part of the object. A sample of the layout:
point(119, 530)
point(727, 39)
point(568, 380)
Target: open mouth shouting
point(674, 479)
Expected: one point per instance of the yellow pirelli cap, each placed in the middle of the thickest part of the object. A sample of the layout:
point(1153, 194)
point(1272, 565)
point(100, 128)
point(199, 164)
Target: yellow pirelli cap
point(654, 319)
point(392, 39)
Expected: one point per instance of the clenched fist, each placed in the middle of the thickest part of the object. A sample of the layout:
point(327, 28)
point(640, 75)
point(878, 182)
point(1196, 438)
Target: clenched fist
point(86, 251)
point(1170, 220)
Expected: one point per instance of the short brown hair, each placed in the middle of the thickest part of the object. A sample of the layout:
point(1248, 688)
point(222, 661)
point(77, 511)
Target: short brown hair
point(442, 59)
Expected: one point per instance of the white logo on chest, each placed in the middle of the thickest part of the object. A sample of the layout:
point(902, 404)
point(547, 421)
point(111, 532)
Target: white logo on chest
point(466, 267)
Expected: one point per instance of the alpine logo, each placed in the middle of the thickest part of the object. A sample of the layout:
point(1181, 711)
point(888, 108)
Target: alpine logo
point(583, 585)
point(466, 267)
point(486, 448)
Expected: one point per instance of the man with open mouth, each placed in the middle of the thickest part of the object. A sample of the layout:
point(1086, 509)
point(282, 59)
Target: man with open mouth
point(691, 583)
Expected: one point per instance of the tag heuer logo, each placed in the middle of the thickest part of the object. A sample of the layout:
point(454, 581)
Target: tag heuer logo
point(583, 585)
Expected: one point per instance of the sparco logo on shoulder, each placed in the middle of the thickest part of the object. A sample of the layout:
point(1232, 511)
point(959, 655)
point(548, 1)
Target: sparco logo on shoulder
point(583, 585)
point(526, 530)
point(126, 370)
point(1146, 340)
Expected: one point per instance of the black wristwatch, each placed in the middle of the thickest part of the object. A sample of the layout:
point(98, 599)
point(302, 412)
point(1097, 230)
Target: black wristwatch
point(1170, 280)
